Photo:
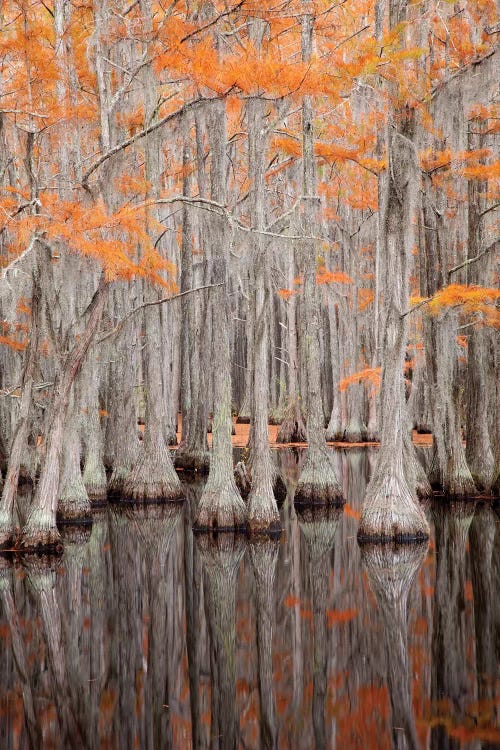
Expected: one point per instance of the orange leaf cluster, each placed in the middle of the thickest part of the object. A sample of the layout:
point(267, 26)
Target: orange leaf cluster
point(370, 376)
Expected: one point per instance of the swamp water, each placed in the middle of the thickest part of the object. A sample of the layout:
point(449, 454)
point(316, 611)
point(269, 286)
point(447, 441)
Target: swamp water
point(143, 636)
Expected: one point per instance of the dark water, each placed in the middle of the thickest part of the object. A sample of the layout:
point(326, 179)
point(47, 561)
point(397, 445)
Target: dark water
point(144, 637)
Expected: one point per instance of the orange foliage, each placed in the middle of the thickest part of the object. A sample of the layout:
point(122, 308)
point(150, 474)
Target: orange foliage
point(369, 376)
point(336, 616)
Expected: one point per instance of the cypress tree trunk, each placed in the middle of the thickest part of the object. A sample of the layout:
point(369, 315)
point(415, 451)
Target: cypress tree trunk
point(94, 473)
point(390, 509)
point(221, 505)
point(262, 509)
point(293, 428)
point(192, 453)
point(450, 470)
point(478, 452)
point(121, 440)
point(73, 504)
point(19, 442)
point(318, 481)
point(40, 531)
point(153, 477)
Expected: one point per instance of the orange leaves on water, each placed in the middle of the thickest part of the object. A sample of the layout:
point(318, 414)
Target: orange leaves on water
point(369, 376)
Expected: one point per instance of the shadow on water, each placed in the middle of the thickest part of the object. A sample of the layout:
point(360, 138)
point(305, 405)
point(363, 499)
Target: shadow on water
point(143, 636)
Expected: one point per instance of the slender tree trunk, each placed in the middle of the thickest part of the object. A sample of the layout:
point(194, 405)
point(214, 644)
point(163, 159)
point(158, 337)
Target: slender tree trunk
point(19, 442)
point(94, 473)
point(478, 451)
point(450, 471)
point(221, 505)
point(40, 531)
point(262, 509)
point(73, 504)
point(390, 509)
point(318, 481)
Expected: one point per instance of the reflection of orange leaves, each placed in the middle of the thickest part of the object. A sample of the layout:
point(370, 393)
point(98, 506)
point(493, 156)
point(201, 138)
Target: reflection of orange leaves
point(468, 593)
point(351, 513)
point(291, 601)
point(336, 616)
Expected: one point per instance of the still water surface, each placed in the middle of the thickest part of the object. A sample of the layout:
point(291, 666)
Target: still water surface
point(146, 637)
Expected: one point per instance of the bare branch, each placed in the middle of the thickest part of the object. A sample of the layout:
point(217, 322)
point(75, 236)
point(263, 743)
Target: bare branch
point(142, 133)
point(472, 260)
point(161, 301)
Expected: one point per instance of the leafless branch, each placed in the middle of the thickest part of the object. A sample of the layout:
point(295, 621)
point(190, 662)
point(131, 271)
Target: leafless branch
point(161, 301)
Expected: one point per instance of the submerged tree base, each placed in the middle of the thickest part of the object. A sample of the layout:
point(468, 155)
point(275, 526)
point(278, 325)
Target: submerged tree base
point(187, 460)
point(391, 513)
point(244, 483)
point(45, 541)
point(8, 538)
point(221, 509)
point(293, 427)
point(318, 483)
point(74, 510)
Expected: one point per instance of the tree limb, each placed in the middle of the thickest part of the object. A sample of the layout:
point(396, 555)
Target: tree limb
point(161, 301)
point(472, 260)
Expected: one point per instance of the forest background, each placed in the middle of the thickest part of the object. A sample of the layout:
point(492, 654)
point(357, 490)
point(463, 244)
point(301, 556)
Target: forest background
point(281, 210)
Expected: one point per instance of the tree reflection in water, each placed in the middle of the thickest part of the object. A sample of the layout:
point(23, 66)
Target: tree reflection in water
point(392, 570)
point(143, 636)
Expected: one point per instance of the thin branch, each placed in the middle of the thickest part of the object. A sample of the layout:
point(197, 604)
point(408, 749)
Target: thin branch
point(122, 322)
point(416, 307)
point(212, 22)
point(471, 260)
point(142, 133)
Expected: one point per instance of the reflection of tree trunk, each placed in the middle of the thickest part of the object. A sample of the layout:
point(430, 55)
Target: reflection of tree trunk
point(10, 612)
point(391, 572)
point(100, 588)
point(319, 526)
point(263, 555)
point(482, 547)
point(156, 528)
point(449, 677)
point(72, 606)
point(220, 557)
point(192, 583)
point(42, 579)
